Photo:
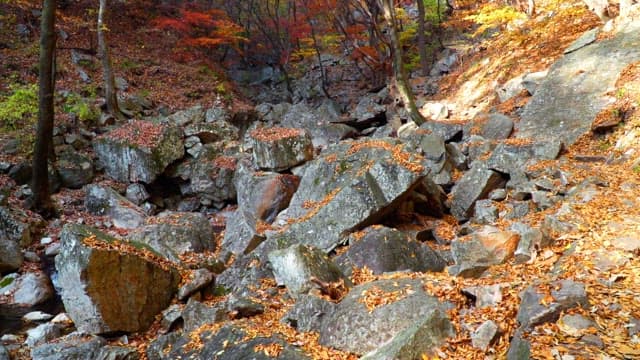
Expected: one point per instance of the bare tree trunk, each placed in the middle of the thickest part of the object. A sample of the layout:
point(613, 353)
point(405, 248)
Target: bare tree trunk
point(110, 93)
point(400, 78)
point(41, 201)
point(422, 46)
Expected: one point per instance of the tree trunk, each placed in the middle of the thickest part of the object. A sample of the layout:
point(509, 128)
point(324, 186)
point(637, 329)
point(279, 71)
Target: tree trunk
point(110, 93)
point(400, 78)
point(422, 46)
point(41, 201)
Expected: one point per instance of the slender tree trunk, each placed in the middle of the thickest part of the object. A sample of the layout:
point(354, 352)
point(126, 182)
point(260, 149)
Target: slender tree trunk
point(109, 80)
point(422, 42)
point(400, 78)
point(41, 201)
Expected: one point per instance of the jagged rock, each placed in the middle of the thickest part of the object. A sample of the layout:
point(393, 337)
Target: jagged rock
point(106, 290)
point(474, 185)
point(196, 314)
point(200, 279)
point(510, 89)
point(170, 317)
point(4, 353)
point(103, 200)
point(75, 170)
point(241, 307)
point(565, 104)
point(213, 179)
point(36, 316)
point(10, 254)
point(361, 180)
point(383, 249)
point(485, 212)
point(296, 267)
point(509, 158)
point(308, 313)
point(575, 325)
point(590, 36)
point(355, 328)
point(138, 151)
point(228, 343)
point(19, 226)
point(428, 198)
point(212, 132)
point(456, 157)
point(173, 234)
point(478, 147)
point(192, 115)
point(553, 227)
point(487, 246)
point(489, 295)
point(566, 295)
point(449, 131)
point(117, 353)
point(368, 111)
point(482, 337)
point(519, 348)
point(241, 235)
point(245, 274)
point(277, 149)
point(32, 289)
point(217, 113)
point(531, 81)
point(496, 127)
point(42, 334)
point(137, 194)
point(515, 210)
point(70, 347)
point(530, 242)
point(21, 173)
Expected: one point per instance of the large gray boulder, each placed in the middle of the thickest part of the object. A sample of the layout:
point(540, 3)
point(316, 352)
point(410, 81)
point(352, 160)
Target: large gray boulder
point(277, 148)
point(70, 348)
point(32, 289)
point(108, 286)
point(18, 225)
point(474, 185)
point(138, 151)
point(487, 246)
point(383, 249)
point(103, 200)
point(358, 326)
point(212, 179)
point(575, 90)
point(362, 181)
point(535, 309)
point(75, 170)
point(173, 234)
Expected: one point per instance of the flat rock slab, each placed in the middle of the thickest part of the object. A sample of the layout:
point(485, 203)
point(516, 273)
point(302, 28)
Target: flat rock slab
point(360, 181)
point(278, 149)
point(139, 151)
point(105, 287)
point(568, 100)
point(358, 326)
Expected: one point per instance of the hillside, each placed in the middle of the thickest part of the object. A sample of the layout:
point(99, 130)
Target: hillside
point(229, 219)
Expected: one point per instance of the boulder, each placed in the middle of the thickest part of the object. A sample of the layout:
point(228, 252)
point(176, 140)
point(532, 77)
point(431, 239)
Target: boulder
point(510, 88)
point(241, 234)
point(200, 278)
point(368, 111)
point(485, 296)
point(474, 185)
point(41, 334)
point(228, 343)
point(538, 308)
point(110, 286)
point(173, 234)
point(383, 249)
point(138, 151)
point(196, 314)
point(75, 170)
point(496, 127)
point(308, 313)
point(487, 246)
point(567, 101)
point(531, 81)
point(277, 149)
point(264, 194)
point(18, 225)
point(111, 352)
point(193, 115)
point(361, 324)
point(70, 347)
point(10, 254)
point(212, 132)
point(32, 289)
point(519, 348)
point(361, 180)
point(137, 193)
point(529, 244)
point(103, 200)
point(212, 179)
point(298, 266)
point(482, 337)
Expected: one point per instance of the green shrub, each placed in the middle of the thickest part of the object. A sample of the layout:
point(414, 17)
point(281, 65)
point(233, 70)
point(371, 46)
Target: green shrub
point(81, 107)
point(20, 108)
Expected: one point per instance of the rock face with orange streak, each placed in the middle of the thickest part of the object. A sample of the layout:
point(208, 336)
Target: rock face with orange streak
point(105, 290)
point(487, 246)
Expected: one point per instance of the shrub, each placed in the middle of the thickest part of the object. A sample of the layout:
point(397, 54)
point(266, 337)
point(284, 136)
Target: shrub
point(20, 108)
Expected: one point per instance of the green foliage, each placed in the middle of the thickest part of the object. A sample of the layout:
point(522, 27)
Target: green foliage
point(81, 107)
point(494, 16)
point(5, 281)
point(20, 108)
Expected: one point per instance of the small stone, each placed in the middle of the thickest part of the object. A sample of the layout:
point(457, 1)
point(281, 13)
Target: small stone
point(9, 339)
point(484, 335)
point(46, 240)
point(62, 319)
point(36, 316)
point(592, 340)
point(574, 325)
point(31, 257)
